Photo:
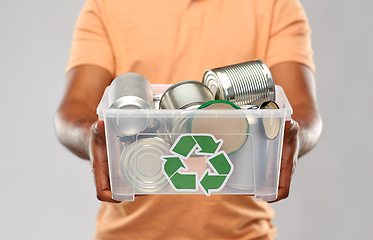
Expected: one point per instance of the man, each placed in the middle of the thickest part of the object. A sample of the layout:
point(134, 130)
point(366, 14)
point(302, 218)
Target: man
point(170, 41)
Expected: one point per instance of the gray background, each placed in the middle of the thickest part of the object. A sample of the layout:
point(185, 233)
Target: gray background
point(48, 193)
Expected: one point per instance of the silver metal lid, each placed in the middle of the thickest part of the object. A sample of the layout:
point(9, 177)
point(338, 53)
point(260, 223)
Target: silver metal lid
point(270, 125)
point(126, 126)
point(141, 163)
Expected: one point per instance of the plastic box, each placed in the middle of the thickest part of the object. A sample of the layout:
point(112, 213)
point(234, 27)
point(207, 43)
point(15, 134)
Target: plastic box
point(194, 151)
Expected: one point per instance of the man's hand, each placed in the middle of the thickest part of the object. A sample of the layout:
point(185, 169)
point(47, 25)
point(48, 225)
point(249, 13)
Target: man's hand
point(99, 160)
point(303, 131)
point(290, 151)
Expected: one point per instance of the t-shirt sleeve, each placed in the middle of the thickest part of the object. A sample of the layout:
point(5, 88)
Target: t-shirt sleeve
point(91, 44)
point(290, 35)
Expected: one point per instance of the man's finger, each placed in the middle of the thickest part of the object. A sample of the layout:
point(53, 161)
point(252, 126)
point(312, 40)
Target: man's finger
point(105, 195)
point(99, 127)
point(103, 184)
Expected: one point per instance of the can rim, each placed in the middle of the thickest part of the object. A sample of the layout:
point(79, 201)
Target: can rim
point(170, 89)
point(218, 101)
point(134, 101)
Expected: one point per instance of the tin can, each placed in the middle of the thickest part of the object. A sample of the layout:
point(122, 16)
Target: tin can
point(141, 164)
point(248, 83)
point(187, 94)
point(130, 91)
point(252, 157)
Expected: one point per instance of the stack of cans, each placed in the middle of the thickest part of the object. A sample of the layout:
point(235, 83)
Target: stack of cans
point(140, 160)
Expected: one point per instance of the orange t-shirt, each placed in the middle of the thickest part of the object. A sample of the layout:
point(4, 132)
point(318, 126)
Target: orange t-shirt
point(170, 41)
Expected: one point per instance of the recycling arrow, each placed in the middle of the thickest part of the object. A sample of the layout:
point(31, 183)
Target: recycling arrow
point(204, 144)
point(184, 146)
point(175, 169)
point(211, 182)
point(181, 181)
point(207, 144)
point(222, 167)
point(172, 164)
point(184, 181)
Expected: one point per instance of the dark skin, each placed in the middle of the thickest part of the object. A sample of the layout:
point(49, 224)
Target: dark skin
point(79, 130)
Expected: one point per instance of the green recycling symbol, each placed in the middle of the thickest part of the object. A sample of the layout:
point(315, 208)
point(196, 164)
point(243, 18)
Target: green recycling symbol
point(175, 169)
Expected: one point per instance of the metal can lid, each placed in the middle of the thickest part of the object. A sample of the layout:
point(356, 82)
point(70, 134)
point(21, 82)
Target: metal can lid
point(130, 126)
point(270, 125)
point(269, 105)
point(141, 163)
point(233, 131)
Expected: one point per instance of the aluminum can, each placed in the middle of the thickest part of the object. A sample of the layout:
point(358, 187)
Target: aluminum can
point(130, 90)
point(248, 83)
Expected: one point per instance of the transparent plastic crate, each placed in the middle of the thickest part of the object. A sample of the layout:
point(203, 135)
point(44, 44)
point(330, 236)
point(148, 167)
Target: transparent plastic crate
point(194, 151)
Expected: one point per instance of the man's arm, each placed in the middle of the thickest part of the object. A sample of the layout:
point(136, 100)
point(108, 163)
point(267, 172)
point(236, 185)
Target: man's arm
point(76, 121)
point(303, 131)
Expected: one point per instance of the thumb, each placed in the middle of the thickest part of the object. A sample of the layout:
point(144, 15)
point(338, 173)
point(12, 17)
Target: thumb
point(99, 127)
point(289, 124)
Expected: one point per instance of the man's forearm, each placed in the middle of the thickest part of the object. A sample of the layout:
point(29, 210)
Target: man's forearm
point(310, 126)
point(73, 122)
point(77, 112)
